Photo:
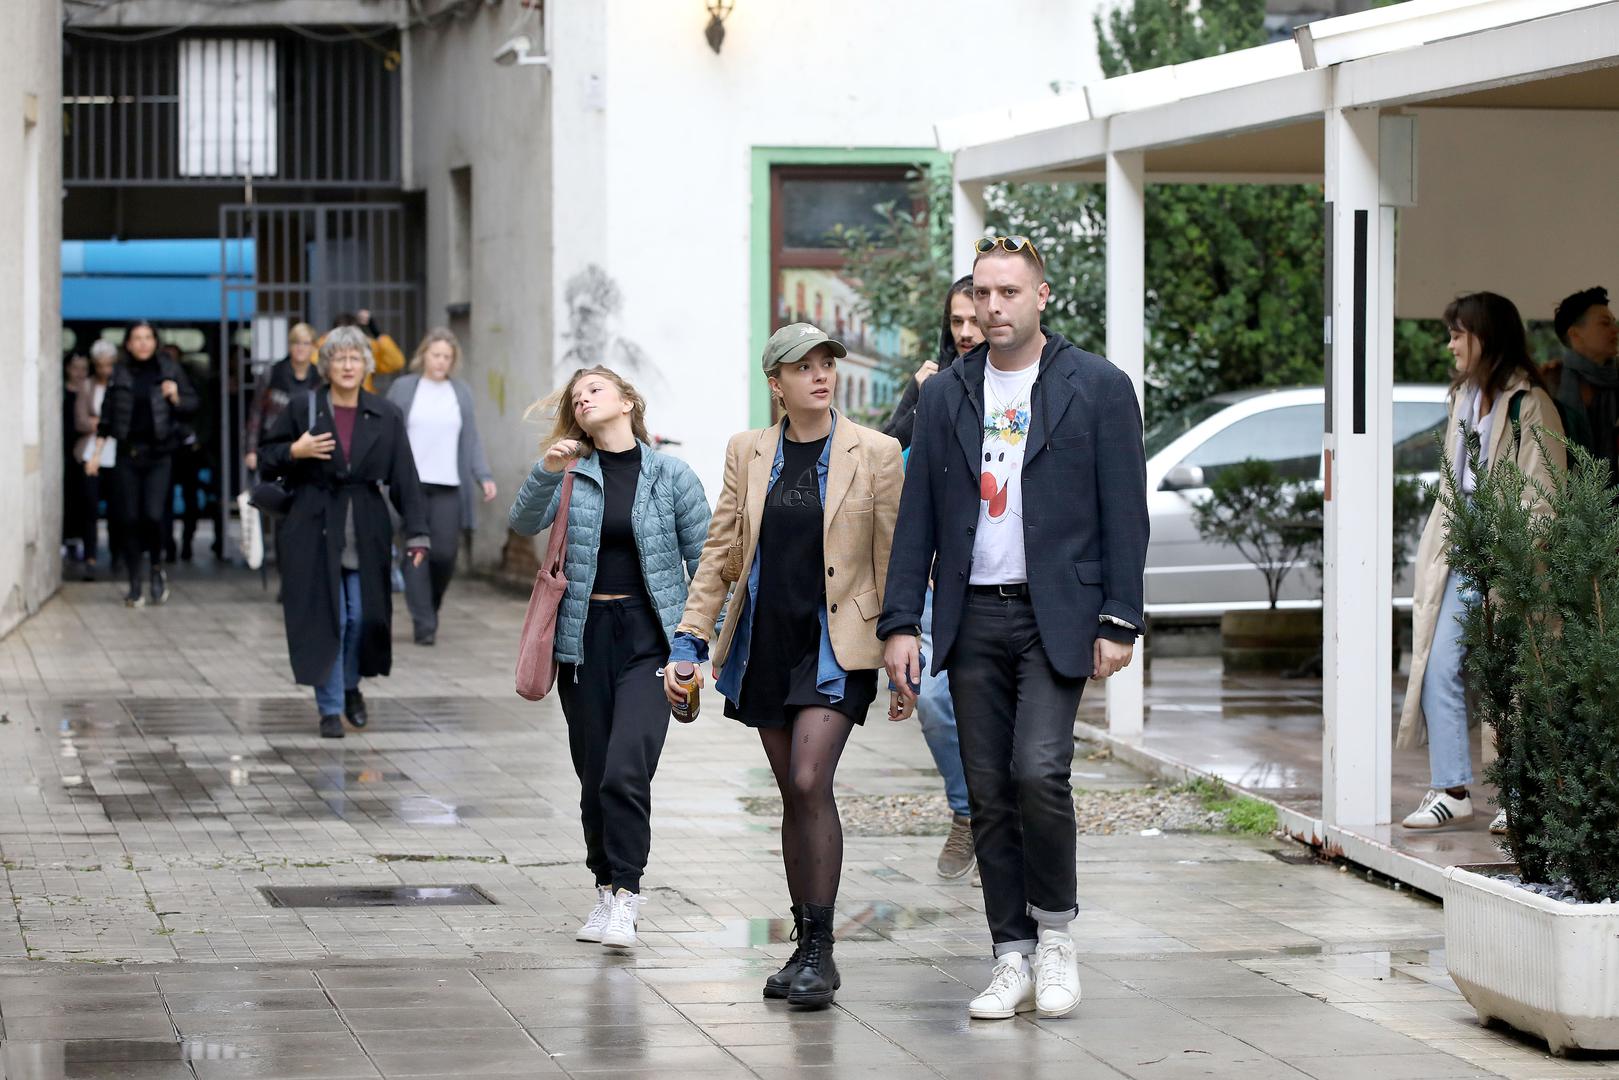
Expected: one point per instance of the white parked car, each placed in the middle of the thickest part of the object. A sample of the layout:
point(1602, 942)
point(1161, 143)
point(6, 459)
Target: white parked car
point(1187, 577)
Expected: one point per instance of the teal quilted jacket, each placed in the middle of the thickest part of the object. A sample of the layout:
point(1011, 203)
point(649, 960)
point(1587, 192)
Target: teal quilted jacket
point(670, 519)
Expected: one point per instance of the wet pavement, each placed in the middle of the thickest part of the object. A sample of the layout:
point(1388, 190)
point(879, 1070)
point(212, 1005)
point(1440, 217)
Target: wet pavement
point(163, 781)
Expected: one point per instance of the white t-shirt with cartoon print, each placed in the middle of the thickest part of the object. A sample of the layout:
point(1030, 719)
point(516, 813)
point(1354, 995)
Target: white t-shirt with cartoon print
point(998, 557)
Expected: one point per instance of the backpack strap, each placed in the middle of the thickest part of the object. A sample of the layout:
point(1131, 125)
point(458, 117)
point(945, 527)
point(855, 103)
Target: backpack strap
point(1514, 412)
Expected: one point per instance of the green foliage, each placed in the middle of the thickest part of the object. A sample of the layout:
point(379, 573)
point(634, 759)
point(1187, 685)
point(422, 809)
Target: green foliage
point(1252, 508)
point(1543, 658)
point(1242, 814)
point(1412, 504)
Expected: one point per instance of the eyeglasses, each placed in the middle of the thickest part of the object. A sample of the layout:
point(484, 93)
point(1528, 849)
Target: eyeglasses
point(345, 359)
point(1014, 244)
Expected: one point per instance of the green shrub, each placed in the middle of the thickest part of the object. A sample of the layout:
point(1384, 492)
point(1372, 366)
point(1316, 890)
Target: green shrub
point(1255, 510)
point(1543, 659)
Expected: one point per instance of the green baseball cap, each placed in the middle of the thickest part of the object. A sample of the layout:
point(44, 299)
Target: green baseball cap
point(792, 341)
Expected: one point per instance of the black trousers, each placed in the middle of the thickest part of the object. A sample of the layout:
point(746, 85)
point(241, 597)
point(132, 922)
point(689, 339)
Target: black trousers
point(1015, 719)
point(145, 489)
point(105, 485)
point(617, 721)
point(425, 585)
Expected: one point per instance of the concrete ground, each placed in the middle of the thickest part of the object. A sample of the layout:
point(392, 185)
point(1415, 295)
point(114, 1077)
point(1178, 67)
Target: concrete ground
point(158, 771)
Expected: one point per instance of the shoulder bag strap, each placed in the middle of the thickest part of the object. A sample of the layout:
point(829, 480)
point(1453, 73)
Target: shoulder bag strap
point(556, 547)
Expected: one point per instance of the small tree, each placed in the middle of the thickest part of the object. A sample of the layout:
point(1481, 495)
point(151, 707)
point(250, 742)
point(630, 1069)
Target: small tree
point(1252, 508)
point(1412, 502)
point(1543, 658)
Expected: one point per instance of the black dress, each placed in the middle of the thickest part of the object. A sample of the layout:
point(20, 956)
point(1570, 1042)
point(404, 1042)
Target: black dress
point(785, 647)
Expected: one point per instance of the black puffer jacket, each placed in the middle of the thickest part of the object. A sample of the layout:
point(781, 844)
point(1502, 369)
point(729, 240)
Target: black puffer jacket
point(167, 420)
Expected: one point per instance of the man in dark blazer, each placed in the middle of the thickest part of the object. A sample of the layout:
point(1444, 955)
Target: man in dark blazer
point(1025, 499)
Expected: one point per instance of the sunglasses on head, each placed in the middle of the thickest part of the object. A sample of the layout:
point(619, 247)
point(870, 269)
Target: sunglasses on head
point(1014, 244)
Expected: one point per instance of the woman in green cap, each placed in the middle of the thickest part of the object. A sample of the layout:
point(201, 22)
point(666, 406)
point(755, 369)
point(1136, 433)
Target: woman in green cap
point(799, 545)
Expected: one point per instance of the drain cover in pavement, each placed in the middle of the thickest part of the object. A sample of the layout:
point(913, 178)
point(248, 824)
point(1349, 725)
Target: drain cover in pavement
point(333, 896)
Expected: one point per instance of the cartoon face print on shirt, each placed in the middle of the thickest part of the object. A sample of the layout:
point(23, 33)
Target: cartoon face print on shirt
point(1004, 434)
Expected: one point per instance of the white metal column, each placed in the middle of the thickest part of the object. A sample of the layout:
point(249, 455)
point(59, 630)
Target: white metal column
point(1126, 347)
point(1357, 692)
point(967, 205)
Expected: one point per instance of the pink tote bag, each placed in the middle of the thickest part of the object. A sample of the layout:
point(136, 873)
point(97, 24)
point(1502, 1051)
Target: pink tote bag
point(536, 651)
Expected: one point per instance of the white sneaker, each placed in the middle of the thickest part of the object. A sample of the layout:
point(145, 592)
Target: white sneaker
point(620, 932)
point(1498, 824)
point(597, 921)
point(1438, 810)
point(1056, 974)
point(1010, 991)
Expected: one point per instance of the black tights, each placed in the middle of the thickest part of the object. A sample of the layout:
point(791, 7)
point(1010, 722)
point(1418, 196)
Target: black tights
point(804, 757)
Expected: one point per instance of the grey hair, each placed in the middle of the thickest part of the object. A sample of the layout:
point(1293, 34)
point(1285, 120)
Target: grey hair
point(102, 347)
point(342, 339)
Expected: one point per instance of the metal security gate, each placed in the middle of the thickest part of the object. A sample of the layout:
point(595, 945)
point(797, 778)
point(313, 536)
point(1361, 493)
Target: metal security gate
point(282, 264)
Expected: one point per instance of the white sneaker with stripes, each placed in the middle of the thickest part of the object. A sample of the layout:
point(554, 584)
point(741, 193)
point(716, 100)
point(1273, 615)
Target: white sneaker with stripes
point(1438, 810)
point(1498, 824)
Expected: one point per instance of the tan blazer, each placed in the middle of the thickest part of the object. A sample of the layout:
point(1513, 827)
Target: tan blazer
point(864, 476)
point(1431, 567)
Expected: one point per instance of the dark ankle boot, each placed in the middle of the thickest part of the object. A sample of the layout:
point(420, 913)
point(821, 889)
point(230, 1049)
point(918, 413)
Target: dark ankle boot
point(778, 984)
point(817, 980)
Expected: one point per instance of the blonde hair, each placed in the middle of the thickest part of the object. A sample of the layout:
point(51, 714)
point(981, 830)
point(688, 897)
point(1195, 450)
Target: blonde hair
point(558, 407)
point(303, 329)
point(431, 338)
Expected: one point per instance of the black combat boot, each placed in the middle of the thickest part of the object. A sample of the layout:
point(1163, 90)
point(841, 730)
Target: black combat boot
point(817, 980)
point(778, 984)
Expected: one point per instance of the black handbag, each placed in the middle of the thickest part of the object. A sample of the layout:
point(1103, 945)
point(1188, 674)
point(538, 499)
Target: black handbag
point(273, 497)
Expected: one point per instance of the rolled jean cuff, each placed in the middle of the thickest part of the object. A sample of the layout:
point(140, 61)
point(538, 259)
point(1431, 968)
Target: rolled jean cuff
point(1053, 920)
point(1022, 948)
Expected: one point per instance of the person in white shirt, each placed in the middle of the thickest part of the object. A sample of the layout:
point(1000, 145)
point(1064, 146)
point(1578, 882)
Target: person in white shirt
point(1025, 502)
point(442, 426)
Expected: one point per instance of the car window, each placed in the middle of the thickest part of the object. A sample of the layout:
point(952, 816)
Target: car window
point(1289, 438)
point(1417, 427)
point(1165, 431)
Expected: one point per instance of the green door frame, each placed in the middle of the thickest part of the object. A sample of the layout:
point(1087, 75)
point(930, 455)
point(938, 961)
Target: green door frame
point(764, 158)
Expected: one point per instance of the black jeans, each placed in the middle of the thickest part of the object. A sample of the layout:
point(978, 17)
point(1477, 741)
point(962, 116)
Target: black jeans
point(1015, 719)
point(617, 721)
point(426, 584)
point(145, 488)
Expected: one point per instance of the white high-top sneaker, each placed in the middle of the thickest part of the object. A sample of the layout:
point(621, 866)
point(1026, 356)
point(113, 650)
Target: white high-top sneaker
point(1056, 974)
point(597, 921)
point(1439, 809)
point(620, 932)
point(1010, 990)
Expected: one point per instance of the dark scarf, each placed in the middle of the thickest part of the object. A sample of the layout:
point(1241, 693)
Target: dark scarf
point(1603, 412)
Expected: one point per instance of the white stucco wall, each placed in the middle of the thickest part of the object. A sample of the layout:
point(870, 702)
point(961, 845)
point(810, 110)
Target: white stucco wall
point(30, 235)
point(673, 198)
point(467, 111)
point(1515, 201)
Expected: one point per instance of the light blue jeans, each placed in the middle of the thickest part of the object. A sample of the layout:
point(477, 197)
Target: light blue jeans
point(1444, 692)
point(345, 673)
point(937, 715)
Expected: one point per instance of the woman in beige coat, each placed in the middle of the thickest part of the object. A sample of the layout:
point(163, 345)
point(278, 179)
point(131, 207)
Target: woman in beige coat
point(1493, 370)
point(802, 533)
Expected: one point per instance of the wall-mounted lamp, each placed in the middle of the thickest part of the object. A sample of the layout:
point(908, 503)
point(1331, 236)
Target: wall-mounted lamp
point(718, 12)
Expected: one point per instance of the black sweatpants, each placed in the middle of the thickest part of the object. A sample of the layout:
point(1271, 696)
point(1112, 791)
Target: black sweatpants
point(426, 584)
point(1015, 719)
point(145, 488)
point(617, 721)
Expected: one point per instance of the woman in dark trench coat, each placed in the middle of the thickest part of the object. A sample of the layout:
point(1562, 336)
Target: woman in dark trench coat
point(336, 539)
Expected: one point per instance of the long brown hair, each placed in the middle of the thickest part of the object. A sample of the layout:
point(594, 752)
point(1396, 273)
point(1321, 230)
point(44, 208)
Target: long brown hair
point(1503, 343)
point(558, 406)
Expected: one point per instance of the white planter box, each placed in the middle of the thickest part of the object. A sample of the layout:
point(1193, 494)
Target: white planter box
point(1544, 967)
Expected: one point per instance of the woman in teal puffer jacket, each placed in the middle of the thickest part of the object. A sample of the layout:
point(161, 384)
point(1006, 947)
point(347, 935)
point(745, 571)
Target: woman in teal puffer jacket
point(637, 520)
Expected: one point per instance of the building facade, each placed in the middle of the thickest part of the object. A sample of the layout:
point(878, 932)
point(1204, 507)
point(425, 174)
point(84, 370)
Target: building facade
point(31, 437)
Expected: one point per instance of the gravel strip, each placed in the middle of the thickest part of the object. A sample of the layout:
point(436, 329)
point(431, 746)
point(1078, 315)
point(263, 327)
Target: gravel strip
point(1098, 813)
